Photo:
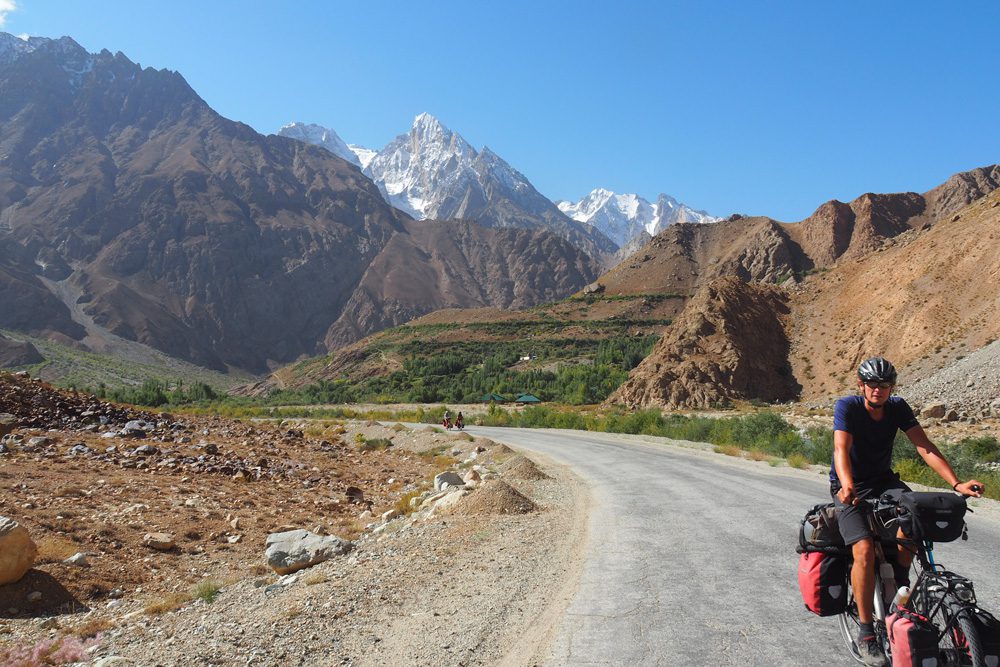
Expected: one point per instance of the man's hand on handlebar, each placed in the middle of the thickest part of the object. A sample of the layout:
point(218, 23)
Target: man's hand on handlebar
point(972, 488)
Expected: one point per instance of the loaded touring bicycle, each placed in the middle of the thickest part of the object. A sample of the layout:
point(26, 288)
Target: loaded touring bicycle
point(937, 622)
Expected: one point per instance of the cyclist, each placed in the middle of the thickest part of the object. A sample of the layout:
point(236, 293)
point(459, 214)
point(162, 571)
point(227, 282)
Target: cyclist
point(864, 428)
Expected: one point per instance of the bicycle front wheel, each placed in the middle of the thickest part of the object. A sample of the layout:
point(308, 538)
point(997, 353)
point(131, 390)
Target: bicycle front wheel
point(960, 645)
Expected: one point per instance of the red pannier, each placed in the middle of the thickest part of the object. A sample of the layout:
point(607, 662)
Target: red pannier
point(913, 639)
point(823, 582)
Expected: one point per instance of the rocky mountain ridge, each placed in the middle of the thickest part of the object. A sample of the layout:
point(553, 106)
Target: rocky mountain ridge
point(791, 305)
point(128, 207)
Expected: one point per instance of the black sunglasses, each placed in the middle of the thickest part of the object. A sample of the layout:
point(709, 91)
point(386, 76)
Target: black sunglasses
point(871, 384)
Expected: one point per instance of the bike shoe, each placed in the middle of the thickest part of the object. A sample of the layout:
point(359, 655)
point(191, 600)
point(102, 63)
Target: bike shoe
point(871, 652)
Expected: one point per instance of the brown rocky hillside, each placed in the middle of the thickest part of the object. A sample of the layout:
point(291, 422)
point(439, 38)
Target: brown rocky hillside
point(924, 295)
point(729, 344)
point(924, 300)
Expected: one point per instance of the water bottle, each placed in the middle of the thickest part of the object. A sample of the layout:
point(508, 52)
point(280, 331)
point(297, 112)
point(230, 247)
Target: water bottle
point(902, 596)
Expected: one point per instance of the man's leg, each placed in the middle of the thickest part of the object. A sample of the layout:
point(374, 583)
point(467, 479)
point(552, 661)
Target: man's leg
point(904, 557)
point(863, 578)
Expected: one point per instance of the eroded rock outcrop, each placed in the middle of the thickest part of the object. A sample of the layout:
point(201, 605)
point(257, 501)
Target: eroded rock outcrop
point(728, 344)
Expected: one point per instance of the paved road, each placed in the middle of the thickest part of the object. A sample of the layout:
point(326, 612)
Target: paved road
point(691, 561)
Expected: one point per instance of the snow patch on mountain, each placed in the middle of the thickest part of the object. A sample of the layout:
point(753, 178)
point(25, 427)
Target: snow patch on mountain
point(320, 136)
point(365, 155)
point(13, 47)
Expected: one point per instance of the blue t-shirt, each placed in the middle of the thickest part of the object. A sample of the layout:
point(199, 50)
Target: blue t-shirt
point(871, 451)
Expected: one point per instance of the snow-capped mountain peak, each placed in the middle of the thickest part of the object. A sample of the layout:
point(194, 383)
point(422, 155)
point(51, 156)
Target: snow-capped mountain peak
point(624, 216)
point(416, 167)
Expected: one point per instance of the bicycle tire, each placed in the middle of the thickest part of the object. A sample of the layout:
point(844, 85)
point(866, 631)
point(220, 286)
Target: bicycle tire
point(850, 626)
point(961, 644)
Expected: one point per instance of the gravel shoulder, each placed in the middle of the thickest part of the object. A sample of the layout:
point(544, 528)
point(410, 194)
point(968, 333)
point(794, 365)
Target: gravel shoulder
point(474, 584)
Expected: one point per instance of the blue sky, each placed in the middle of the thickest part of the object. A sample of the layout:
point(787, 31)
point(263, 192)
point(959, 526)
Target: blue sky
point(761, 107)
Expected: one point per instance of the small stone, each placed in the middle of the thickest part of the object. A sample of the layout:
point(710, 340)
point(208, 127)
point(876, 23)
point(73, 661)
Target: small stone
point(78, 559)
point(34, 596)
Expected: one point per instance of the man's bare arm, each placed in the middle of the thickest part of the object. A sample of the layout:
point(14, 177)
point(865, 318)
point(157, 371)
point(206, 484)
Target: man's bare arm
point(933, 457)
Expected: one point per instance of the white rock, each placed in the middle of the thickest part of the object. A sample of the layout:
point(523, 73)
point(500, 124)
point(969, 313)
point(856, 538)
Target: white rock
point(297, 549)
point(79, 558)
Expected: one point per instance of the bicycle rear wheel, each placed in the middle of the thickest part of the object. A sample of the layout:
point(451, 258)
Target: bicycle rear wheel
point(850, 625)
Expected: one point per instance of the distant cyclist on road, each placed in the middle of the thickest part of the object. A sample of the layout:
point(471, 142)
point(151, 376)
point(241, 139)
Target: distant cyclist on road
point(864, 428)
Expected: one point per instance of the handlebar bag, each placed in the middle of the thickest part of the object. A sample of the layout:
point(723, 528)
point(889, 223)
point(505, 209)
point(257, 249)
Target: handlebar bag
point(938, 517)
point(913, 639)
point(823, 582)
point(818, 531)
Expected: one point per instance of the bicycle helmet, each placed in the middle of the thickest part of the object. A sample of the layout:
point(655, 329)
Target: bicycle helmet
point(877, 369)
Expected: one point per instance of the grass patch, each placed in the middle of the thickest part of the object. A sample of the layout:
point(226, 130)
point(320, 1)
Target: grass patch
point(207, 590)
point(92, 628)
point(728, 450)
point(403, 502)
point(169, 602)
point(758, 455)
point(55, 549)
point(374, 444)
point(314, 578)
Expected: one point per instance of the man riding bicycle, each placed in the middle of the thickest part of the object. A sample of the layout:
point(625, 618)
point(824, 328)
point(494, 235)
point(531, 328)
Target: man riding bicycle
point(864, 428)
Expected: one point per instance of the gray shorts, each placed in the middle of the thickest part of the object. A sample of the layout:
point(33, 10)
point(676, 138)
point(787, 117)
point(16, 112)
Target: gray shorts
point(852, 519)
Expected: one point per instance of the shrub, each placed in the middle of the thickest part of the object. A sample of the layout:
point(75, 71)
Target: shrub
point(819, 445)
point(58, 651)
point(798, 461)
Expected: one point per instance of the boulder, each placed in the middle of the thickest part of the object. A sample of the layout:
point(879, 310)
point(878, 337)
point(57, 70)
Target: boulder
point(7, 423)
point(449, 502)
point(449, 478)
point(934, 411)
point(17, 551)
point(159, 541)
point(294, 550)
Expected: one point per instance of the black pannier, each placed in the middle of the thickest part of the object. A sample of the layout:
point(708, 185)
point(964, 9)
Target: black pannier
point(988, 629)
point(818, 531)
point(938, 517)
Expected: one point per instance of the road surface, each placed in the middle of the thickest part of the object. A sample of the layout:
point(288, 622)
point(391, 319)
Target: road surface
point(691, 556)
